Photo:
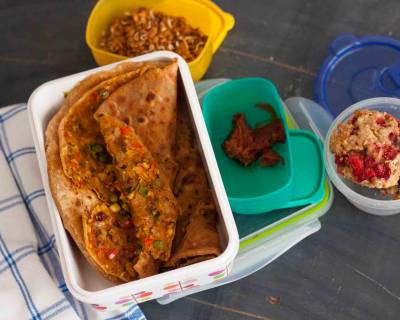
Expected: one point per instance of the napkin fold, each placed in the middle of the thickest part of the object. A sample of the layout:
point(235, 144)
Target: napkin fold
point(31, 282)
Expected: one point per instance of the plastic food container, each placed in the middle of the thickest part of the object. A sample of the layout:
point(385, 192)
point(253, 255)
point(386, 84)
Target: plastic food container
point(263, 238)
point(255, 189)
point(366, 199)
point(81, 279)
point(203, 14)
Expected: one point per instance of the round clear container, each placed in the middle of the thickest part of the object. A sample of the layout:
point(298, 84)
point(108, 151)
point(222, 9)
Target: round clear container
point(366, 199)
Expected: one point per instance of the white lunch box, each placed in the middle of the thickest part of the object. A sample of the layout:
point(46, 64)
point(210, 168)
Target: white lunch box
point(82, 280)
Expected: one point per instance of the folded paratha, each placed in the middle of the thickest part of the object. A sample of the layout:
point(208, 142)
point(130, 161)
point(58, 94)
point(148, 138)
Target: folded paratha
point(113, 156)
point(142, 187)
point(149, 104)
point(75, 202)
point(196, 236)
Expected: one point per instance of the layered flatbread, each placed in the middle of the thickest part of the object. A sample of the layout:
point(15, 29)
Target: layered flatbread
point(83, 154)
point(141, 185)
point(113, 155)
point(196, 236)
point(148, 104)
point(72, 202)
point(76, 202)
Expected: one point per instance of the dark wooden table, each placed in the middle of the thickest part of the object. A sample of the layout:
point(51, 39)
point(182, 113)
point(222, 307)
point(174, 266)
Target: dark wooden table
point(349, 269)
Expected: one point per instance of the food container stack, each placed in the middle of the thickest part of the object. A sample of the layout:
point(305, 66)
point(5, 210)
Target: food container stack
point(154, 194)
point(359, 85)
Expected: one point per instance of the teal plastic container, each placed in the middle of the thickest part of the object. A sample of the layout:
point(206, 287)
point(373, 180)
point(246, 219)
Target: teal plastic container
point(249, 188)
point(255, 189)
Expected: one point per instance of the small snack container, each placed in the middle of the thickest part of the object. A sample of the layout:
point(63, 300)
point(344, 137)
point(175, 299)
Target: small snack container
point(366, 199)
point(82, 280)
point(297, 180)
point(203, 14)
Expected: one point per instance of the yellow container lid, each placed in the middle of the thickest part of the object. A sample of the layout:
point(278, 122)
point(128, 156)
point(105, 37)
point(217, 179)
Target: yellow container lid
point(203, 14)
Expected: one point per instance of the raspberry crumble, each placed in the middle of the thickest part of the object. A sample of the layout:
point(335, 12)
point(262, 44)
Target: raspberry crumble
point(367, 149)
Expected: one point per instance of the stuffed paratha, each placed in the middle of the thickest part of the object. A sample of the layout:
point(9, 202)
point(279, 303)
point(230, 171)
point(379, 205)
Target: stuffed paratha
point(141, 185)
point(83, 155)
point(148, 104)
point(124, 234)
point(196, 236)
point(75, 203)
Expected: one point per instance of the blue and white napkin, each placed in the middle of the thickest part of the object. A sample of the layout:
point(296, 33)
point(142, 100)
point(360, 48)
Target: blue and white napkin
point(31, 283)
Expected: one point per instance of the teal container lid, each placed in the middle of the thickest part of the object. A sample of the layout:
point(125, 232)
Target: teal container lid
point(255, 189)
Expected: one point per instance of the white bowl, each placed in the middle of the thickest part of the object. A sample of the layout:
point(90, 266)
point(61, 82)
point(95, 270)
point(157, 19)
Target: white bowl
point(84, 282)
point(366, 199)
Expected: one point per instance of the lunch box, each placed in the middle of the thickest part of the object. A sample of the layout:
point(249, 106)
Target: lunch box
point(263, 237)
point(203, 14)
point(82, 280)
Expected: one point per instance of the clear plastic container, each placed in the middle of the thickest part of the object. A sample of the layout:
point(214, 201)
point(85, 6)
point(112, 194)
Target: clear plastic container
point(366, 199)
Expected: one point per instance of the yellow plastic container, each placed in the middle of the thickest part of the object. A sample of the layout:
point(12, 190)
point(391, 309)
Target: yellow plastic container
point(203, 14)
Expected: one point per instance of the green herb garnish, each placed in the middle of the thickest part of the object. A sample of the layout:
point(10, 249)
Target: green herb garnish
point(158, 244)
point(96, 148)
point(125, 206)
point(104, 94)
point(113, 197)
point(143, 191)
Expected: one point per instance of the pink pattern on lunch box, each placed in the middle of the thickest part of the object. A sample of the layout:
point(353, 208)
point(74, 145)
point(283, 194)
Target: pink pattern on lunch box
point(99, 307)
point(189, 283)
point(219, 274)
point(143, 296)
point(172, 287)
point(125, 300)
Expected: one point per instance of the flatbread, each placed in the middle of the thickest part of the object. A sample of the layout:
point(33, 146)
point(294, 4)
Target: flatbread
point(81, 144)
point(196, 235)
point(142, 95)
point(143, 188)
point(148, 104)
point(72, 202)
point(200, 241)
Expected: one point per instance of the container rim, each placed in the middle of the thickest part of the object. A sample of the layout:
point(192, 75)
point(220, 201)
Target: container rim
point(343, 188)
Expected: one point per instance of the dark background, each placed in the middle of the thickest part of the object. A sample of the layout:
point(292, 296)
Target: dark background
point(349, 269)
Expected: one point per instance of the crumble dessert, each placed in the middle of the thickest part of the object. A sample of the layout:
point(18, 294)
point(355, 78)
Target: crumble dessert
point(366, 149)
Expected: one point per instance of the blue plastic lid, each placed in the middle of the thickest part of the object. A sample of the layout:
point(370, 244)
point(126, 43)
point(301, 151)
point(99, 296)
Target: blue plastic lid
point(358, 69)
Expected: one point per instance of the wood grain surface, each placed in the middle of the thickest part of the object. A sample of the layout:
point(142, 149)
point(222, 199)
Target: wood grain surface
point(349, 269)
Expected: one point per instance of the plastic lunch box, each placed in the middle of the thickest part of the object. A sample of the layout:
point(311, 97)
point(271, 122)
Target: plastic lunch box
point(89, 286)
point(203, 14)
point(265, 237)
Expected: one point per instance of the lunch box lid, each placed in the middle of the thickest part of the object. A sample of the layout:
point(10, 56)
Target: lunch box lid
point(358, 68)
point(304, 171)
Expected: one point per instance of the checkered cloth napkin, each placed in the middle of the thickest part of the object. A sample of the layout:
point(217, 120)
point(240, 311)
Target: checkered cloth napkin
point(31, 283)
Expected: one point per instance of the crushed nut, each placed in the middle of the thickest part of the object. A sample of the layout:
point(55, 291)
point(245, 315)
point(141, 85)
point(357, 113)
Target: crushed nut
point(143, 31)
